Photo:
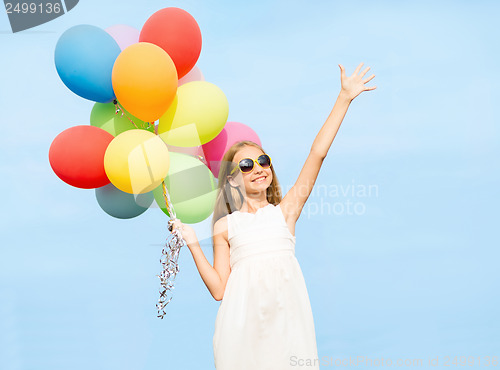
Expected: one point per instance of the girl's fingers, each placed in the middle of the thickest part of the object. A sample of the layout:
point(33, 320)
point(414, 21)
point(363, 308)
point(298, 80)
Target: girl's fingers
point(358, 68)
point(174, 225)
point(368, 79)
point(364, 72)
point(342, 70)
point(370, 88)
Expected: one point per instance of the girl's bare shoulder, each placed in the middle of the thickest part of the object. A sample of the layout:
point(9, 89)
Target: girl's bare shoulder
point(220, 228)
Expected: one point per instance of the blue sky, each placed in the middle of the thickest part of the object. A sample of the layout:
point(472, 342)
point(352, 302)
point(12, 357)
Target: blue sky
point(413, 274)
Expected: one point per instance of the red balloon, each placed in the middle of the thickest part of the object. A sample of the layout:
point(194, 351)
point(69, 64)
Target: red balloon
point(77, 156)
point(176, 32)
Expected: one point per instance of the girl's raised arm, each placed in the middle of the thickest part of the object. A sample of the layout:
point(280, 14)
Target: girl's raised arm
point(352, 86)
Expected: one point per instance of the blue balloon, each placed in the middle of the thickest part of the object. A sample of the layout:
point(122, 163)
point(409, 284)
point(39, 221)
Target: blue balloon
point(122, 205)
point(84, 58)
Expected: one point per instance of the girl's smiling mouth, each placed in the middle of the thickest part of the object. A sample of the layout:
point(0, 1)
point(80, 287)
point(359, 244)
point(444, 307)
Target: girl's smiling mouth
point(259, 179)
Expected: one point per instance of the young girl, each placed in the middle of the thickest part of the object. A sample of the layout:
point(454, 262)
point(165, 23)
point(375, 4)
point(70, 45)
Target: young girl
point(265, 319)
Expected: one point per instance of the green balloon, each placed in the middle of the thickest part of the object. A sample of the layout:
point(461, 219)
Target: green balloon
point(104, 116)
point(191, 186)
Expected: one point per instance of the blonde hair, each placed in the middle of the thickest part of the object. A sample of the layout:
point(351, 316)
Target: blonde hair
point(230, 199)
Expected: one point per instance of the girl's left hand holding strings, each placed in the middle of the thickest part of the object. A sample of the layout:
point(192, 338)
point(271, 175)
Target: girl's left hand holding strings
point(354, 85)
point(188, 233)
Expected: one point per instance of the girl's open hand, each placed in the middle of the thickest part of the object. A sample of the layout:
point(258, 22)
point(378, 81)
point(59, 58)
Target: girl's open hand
point(188, 233)
point(354, 85)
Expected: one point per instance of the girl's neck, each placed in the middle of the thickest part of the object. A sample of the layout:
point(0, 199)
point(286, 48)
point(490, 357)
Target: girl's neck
point(252, 205)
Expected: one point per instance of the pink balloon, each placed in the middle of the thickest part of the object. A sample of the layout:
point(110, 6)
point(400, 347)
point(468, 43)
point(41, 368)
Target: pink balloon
point(214, 150)
point(193, 75)
point(124, 35)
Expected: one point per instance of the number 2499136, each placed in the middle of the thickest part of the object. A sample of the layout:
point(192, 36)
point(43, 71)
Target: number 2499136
point(25, 8)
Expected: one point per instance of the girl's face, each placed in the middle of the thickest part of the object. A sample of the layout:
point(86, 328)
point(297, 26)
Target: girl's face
point(256, 181)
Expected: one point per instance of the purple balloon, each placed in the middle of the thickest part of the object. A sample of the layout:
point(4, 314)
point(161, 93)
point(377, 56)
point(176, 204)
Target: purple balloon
point(124, 35)
point(193, 75)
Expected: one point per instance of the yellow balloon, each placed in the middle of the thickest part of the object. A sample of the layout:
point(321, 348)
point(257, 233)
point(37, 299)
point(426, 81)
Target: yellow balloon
point(196, 116)
point(136, 161)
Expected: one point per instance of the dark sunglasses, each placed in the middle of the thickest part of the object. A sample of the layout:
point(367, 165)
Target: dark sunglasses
point(246, 164)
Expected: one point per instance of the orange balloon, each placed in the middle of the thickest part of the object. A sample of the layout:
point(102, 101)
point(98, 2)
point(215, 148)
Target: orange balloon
point(144, 80)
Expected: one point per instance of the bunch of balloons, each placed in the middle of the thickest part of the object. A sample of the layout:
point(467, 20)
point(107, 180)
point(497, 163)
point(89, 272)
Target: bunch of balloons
point(156, 122)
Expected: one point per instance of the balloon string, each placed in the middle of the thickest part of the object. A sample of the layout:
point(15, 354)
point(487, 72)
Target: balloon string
point(119, 108)
point(170, 256)
point(168, 203)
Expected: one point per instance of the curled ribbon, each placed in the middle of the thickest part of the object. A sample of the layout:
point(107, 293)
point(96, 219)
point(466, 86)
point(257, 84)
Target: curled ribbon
point(169, 258)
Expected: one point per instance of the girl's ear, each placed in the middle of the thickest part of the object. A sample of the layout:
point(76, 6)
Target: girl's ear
point(231, 182)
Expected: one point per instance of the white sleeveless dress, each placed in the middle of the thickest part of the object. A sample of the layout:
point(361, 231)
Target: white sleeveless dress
point(265, 319)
